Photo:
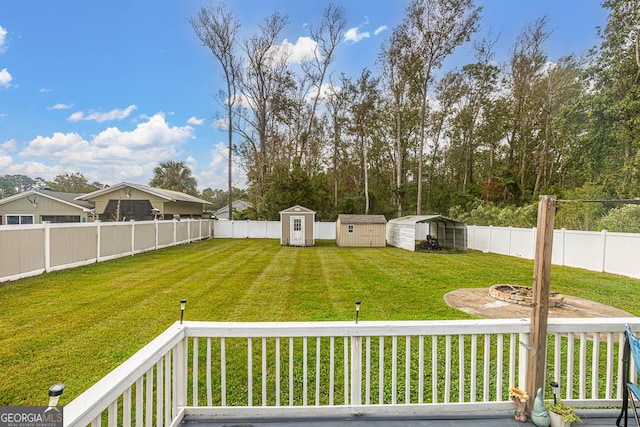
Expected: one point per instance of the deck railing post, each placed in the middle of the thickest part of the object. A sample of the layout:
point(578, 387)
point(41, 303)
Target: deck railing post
point(180, 373)
point(356, 370)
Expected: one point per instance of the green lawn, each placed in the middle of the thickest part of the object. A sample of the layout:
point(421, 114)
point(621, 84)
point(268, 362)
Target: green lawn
point(75, 326)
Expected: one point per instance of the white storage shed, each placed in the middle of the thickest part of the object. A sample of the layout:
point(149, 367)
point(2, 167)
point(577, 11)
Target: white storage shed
point(404, 232)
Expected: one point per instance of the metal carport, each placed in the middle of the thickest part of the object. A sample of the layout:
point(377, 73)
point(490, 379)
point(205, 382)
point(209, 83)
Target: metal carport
point(450, 233)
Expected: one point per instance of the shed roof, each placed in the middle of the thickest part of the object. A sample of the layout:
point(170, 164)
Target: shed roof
point(168, 195)
point(414, 219)
point(297, 209)
point(362, 219)
point(66, 198)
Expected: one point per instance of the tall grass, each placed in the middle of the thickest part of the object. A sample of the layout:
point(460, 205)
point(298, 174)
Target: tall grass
point(75, 326)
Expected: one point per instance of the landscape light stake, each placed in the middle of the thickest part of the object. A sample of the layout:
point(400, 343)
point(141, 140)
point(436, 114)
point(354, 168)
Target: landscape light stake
point(183, 304)
point(357, 309)
point(54, 393)
point(554, 385)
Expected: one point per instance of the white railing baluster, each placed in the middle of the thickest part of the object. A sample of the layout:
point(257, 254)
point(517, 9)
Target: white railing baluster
point(499, 367)
point(487, 367)
point(346, 370)
point(97, 421)
point(139, 399)
point(447, 368)
point(291, 371)
point(461, 368)
point(277, 378)
point(249, 372)
point(160, 393)
point(394, 369)
point(332, 367)
point(407, 370)
point(167, 389)
point(583, 365)
point(434, 368)
point(512, 361)
point(356, 370)
point(126, 408)
point(194, 398)
point(318, 371)
point(595, 363)
point(305, 372)
point(367, 382)
point(608, 388)
point(209, 375)
point(620, 387)
point(474, 367)
point(149, 399)
point(223, 372)
point(381, 370)
point(570, 359)
point(112, 415)
point(421, 369)
point(264, 371)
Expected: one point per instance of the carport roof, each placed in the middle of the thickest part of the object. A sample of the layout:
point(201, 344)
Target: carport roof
point(414, 219)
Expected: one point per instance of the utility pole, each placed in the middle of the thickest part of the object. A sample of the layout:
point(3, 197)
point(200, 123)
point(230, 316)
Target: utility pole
point(536, 362)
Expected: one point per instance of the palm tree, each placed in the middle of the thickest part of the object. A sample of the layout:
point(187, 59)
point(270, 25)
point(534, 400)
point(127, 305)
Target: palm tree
point(174, 175)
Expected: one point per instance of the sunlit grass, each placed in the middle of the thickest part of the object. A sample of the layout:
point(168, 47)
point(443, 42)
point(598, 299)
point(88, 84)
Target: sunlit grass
point(76, 325)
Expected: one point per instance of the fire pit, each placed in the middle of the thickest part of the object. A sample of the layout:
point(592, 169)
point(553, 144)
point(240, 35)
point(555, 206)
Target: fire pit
point(522, 295)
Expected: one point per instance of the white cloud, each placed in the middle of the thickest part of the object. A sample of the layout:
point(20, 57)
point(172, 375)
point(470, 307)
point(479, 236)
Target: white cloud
point(115, 114)
point(220, 123)
point(216, 174)
point(301, 50)
point(5, 161)
point(5, 78)
point(60, 107)
point(9, 145)
point(111, 156)
point(354, 35)
point(195, 121)
point(3, 38)
point(45, 90)
point(380, 29)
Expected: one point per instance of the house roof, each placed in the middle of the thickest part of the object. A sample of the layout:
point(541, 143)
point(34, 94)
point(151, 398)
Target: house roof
point(66, 198)
point(297, 209)
point(414, 219)
point(362, 219)
point(239, 205)
point(168, 195)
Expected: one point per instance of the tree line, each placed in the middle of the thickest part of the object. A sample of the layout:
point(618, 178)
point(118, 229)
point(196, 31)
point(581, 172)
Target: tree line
point(409, 137)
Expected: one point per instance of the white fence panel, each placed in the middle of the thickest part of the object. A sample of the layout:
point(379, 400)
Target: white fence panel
point(501, 240)
point(621, 255)
point(324, 230)
point(583, 249)
point(523, 242)
point(223, 229)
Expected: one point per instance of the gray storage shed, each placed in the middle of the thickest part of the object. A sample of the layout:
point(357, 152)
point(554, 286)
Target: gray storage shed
point(297, 226)
point(361, 230)
point(404, 232)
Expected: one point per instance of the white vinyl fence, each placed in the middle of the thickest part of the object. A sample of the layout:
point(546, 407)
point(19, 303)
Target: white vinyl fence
point(267, 230)
point(602, 251)
point(29, 250)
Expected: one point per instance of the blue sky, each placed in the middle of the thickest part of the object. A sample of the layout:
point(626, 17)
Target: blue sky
point(111, 88)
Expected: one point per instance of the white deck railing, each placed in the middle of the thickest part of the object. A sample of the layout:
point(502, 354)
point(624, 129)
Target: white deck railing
point(340, 368)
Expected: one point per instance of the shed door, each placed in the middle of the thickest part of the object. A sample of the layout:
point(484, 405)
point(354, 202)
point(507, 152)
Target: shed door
point(297, 230)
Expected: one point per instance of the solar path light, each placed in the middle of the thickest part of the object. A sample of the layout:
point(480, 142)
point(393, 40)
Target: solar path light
point(183, 304)
point(357, 309)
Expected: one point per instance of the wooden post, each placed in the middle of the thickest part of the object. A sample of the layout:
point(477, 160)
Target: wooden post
point(540, 309)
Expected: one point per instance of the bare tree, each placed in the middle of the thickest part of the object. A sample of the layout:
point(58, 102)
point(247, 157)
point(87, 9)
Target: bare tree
point(437, 28)
point(327, 36)
point(217, 29)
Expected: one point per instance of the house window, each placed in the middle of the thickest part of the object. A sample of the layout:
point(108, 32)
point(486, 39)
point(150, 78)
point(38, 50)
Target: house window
point(56, 219)
point(19, 219)
point(350, 229)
